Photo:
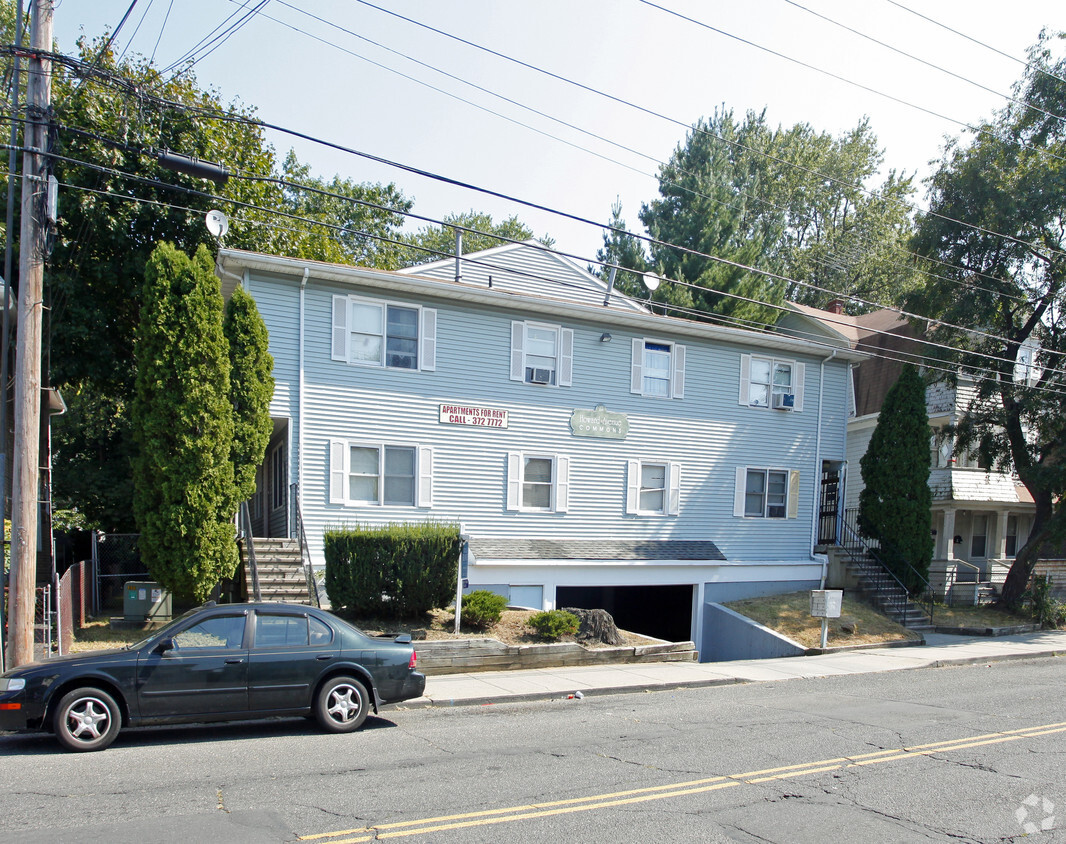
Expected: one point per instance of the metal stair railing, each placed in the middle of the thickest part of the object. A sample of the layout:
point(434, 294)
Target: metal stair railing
point(858, 548)
point(249, 546)
point(305, 552)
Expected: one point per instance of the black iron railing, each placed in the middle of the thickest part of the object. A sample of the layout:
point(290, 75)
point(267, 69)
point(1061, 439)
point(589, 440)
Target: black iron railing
point(305, 552)
point(891, 590)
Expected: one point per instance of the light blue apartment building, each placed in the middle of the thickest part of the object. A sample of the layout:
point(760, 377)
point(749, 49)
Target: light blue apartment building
point(595, 453)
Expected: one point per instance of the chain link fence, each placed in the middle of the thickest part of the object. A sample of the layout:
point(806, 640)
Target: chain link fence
point(117, 560)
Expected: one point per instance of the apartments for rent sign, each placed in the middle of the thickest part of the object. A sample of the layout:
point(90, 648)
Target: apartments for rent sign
point(479, 417)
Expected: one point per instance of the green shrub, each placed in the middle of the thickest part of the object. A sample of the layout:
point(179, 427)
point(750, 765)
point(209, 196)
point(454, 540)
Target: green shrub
point(395, 571)
point(1048, 612)
point(482, 608)
point(554, 624)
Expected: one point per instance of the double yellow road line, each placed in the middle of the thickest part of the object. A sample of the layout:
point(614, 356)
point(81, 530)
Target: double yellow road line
point(510, 814)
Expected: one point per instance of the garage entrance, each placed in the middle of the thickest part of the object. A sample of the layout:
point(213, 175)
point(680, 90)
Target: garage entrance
point(664, 612)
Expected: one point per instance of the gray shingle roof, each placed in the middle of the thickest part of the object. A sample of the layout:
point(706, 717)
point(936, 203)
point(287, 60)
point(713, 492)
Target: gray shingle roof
point(503, 548)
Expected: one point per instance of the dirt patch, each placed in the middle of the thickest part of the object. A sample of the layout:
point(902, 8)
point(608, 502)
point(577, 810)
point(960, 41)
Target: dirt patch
point(790, 615)
point(511, 629)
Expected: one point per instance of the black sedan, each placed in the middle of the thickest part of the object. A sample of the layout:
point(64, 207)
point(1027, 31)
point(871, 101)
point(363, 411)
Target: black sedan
point(215, 663)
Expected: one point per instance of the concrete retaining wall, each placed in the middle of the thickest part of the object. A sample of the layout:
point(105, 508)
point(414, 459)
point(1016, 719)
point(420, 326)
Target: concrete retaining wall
point(729, 635)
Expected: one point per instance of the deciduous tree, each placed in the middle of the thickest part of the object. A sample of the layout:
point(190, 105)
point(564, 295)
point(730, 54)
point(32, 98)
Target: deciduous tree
point(997, 203)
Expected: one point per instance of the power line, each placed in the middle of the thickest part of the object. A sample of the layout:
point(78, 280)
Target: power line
point(920, 60)
point(660, 177)
point(677, 282)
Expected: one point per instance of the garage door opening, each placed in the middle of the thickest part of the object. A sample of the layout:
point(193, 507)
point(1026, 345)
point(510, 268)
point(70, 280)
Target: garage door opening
point(664, 612)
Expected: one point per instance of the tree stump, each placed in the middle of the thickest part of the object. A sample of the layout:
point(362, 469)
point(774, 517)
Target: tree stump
point(596, 626)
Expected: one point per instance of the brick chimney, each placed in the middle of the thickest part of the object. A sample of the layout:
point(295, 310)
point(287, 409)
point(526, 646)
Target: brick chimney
point(836, 306)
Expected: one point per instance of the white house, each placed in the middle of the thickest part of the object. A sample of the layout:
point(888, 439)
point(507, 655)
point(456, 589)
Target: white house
point(981, 517)
point(595, 453)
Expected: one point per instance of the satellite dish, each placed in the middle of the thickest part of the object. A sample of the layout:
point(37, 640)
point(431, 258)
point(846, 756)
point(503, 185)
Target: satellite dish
point(651, 281)
point(217, 223)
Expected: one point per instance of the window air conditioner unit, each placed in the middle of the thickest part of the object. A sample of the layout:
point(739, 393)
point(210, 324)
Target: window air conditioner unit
point(784, 401)
point(540, 376)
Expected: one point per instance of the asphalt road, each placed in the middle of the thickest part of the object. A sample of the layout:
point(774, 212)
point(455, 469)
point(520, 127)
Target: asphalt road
point(972, 753)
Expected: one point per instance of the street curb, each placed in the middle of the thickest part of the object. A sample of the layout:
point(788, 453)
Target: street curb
point(531, 697)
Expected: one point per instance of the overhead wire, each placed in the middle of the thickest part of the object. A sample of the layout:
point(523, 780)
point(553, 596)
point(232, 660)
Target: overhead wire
point(652, 112)
point(678, 282)
point(660, 177)
point(1010, 98)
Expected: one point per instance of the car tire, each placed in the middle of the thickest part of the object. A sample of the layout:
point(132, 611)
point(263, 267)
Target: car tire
point(342, 705)
point(86, 719)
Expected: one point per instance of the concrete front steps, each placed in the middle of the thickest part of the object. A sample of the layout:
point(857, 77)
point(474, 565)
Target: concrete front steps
point(281, 571)
point(461, 656)
point(885, 594)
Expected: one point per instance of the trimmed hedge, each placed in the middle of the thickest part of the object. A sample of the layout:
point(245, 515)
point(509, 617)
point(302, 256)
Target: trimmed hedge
point(395, 571)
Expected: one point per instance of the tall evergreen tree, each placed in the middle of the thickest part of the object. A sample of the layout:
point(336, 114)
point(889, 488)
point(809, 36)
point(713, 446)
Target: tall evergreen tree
point(895, 506)
point(251, 388)
point(182, 420)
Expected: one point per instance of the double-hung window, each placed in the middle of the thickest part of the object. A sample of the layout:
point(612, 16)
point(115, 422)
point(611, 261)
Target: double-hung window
point(658, 369)
point(652, 488)
point(379, 474)
point(766, 493)
point(538, 482)
point(542, 354)
point(369, 332)
point(771, 382)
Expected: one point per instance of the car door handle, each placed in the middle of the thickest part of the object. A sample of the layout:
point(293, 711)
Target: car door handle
point(324, 656)
point(234, 661)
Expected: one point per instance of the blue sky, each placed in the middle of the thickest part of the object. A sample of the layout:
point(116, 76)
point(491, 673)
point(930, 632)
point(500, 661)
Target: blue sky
point(318, 76)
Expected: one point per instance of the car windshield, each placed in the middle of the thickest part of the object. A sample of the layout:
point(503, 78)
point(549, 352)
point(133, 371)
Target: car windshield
point(162, 631)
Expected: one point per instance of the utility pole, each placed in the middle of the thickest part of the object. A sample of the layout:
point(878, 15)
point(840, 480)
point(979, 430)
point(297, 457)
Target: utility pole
point(25, 474)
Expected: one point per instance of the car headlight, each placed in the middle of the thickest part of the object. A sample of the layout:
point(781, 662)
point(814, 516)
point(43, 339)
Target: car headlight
point(12, 684)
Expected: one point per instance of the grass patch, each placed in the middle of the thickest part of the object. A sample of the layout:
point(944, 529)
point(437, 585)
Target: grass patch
point(976, 617)
point(97, 635)
point(790, 615)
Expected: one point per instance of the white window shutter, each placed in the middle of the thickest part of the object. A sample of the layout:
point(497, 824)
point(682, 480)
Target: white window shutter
point(636, 384)
point(797, 385)
point(793, 493)
point(425, 476)
point(678, 377)
point(739, 490)
point(338, 471)
point(566, 357)
point(514, 480)
point(673, 503)
point(518, 358)
point(562, 484)
point(340, 328)
point(632, 486)
point(427, 356)
point(745, 379)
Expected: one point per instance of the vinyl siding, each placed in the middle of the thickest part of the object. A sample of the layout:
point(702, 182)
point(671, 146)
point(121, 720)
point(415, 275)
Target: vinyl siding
point(706, 432)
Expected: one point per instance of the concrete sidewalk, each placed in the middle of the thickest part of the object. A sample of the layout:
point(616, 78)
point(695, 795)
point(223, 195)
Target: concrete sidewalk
point(548, 683)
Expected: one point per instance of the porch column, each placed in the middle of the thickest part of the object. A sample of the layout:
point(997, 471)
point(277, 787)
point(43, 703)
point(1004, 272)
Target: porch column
point(949, 534)
point(1001, 535)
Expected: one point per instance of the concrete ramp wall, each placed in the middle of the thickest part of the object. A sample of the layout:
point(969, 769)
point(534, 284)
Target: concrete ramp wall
point(729, 635)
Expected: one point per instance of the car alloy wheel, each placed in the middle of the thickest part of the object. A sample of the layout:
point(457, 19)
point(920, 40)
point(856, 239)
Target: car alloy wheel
point(87, 719)
point(342, 705)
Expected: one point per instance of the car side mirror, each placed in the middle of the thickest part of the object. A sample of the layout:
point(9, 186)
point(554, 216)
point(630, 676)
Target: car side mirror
point(164, 646)
point(403, 639)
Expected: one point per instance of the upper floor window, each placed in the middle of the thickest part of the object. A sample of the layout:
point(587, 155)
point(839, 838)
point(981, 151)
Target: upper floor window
point(542, 354)
point(372, 333)
point(653, 488)
point(538, 482)
point(376, 474)
point(771, 382)
point(766, 493)
point(658, 369)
